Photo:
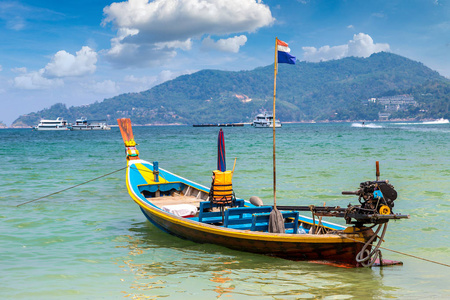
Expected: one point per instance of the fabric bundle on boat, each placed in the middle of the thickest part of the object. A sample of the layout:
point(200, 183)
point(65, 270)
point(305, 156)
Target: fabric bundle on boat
point(276, 221)
point(181, 210)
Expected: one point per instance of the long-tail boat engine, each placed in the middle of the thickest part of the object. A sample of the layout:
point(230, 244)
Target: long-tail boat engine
point(376, 200)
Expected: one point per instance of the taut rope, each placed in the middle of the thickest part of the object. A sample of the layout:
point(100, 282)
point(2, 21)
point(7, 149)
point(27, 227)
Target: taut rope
point(72, 187)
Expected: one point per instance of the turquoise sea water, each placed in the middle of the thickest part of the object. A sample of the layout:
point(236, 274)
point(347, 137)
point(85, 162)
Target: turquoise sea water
point(92, 242)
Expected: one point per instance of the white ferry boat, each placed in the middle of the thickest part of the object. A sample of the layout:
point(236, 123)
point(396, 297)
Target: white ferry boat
point(83, 124)
point(265, 120)
point(58, 124)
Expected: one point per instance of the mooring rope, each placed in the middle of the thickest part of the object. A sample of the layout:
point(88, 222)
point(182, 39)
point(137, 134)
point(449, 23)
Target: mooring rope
point(72, 187)
point(399, 252)
point(378, 246)
point(84, 183)
point(374, 253)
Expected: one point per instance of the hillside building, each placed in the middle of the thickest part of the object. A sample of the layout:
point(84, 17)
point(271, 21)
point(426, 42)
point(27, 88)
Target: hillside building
point(396, 103)
point(393, 104)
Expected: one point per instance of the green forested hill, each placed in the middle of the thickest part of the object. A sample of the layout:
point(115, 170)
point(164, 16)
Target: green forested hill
point(332, 90)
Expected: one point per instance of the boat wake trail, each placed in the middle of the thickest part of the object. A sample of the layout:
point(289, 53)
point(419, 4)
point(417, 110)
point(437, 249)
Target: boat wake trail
point(370, 125)
point(439, 121)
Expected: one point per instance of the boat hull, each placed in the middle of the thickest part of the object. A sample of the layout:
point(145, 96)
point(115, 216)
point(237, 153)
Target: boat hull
point(297, 248)
point(266, 125)
point(75, 128)
point(51, 129)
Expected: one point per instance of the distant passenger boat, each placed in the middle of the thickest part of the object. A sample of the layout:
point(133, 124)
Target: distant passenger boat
point(58, 124)
point(83, 124)
point(265, 120)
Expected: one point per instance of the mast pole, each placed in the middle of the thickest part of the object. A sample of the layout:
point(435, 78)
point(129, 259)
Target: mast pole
point(273, 123)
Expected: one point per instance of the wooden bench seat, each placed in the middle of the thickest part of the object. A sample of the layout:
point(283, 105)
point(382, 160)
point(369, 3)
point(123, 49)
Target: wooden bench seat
point(246, 218)
point(260, 221)
point(213, 216)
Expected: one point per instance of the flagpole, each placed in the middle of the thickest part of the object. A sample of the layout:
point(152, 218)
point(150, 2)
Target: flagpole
point(273, 124)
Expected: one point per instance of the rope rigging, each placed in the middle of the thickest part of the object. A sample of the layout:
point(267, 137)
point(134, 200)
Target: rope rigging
point(399, 252)
point(365, 257)
point(72, 187)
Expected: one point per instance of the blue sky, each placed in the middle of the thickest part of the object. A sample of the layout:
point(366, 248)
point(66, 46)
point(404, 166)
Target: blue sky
point(79, 52)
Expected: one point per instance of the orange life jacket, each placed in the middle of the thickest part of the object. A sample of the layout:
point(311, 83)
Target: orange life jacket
point(222, 187)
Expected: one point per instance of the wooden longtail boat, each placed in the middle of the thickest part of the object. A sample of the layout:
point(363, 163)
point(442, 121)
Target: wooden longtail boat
point(186, 209)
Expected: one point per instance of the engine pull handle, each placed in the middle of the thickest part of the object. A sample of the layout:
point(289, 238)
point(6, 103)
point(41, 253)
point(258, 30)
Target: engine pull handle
point(350, 192)
point(377, 167)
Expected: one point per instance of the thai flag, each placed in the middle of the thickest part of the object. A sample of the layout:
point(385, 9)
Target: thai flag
point(283, 53)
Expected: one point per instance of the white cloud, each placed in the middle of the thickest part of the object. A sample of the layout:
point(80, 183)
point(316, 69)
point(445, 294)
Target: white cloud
point(362, 45)
point(154, 30)
point(12, 14)
point(104, 87)
point(1, 69)
point(18, 16)
point(185, 45)
point(16, 24)
point(166, 75)
point(143, 80)
point(139, 84)
point(226, 45)
point(64, 64)
point(127, 54)
point(324, 53)
point(22, 70)
point(35, 81)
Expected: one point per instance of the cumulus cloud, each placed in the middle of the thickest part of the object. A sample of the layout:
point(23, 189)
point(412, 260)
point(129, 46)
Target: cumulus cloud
point(226, 45)
point(64, 64)
point(35, 81)
point(154, 31)
point(362, 45)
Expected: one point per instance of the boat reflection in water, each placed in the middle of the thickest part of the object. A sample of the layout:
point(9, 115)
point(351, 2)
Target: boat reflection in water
point(159, 264)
